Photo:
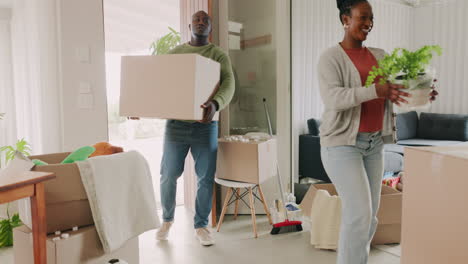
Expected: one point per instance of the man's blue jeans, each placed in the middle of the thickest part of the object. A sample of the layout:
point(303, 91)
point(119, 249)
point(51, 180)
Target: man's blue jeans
point(202, 141)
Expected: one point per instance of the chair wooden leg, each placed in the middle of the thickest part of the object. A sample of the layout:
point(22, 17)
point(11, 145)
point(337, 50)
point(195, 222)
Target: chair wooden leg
point(236, 209)
point(38, 215)
point(252, 212)
point(265, 206)
point(223, 212)
point(213, 208)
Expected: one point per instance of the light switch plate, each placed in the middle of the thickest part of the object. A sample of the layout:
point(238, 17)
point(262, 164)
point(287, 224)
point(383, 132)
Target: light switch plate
point(85, 88)
point(83, 54)
point(85, 101)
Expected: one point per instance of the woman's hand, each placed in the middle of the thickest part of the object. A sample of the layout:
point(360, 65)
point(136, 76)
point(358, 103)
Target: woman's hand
point(392, 92)
point(434, 93)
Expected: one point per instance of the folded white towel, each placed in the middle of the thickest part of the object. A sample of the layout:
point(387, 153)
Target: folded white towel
point(121, 196)
point(325, 220)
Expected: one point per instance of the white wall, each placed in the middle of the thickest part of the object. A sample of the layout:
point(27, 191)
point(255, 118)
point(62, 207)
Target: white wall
point(315, 27)
point(444, 23)
point(5, 13)
point(81, 29)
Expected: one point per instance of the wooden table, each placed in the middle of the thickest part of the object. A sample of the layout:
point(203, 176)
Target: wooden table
point(30, 184)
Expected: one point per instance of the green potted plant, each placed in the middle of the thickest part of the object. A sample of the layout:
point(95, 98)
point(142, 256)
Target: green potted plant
point(167, 42)
point(7, 224)
point(6, 228)
point(409, 68)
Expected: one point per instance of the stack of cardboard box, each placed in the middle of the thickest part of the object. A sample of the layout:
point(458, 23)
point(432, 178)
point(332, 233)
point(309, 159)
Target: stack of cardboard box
point(67, 208)
point(67, 204)
point(81, 247)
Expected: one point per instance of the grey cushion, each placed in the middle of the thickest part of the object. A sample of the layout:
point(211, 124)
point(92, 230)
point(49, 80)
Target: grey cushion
point(407, 125)
point(393, 162)
point(427, 142)
point(443, 127)
point(313, 125)
point(394, 148)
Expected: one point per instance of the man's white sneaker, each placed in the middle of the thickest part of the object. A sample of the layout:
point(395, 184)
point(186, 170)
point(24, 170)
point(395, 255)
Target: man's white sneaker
point(204, 236)
point(163, 231)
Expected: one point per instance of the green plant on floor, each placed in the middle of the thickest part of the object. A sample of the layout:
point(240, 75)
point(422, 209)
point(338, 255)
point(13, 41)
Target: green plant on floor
point(6, 229)
point(7, 225)
point(403, 65)
point(167, 42)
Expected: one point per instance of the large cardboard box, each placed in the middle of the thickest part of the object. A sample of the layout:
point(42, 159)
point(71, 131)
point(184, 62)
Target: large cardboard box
point(252, 162)
point(167, 86)
point(389, 214)
point(66, 200)
point(82, 247)
point(435, 205)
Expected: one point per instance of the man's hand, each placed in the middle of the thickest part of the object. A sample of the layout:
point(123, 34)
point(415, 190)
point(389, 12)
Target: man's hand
point(133, 118)
point(209, 110)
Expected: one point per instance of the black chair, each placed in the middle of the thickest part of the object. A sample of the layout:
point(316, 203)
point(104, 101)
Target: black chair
point(310, 162)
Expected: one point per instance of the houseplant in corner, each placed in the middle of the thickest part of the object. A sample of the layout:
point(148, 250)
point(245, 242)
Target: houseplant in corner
point(167, 42)
point(409, 68)
point(10, 222)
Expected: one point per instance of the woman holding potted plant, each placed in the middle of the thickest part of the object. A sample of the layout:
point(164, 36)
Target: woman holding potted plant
point(355, 124)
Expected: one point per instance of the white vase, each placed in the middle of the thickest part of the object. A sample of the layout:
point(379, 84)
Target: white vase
point(420, 90)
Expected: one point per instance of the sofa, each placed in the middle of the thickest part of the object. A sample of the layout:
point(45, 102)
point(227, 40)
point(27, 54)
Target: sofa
point(426, 129)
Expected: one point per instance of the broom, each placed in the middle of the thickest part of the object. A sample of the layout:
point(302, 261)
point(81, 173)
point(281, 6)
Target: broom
point(286, 226)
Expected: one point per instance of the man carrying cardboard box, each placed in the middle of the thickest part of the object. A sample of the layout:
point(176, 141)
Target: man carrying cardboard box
point(200, 137)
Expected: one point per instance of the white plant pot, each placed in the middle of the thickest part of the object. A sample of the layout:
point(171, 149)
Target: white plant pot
point(420, 90)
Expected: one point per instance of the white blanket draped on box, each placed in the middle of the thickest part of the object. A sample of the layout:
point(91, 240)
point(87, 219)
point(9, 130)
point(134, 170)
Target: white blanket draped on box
point(325, 220)
point(121, 196)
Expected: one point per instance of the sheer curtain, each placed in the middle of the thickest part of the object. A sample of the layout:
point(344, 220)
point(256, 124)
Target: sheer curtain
point(8, 124)
point(35, 74)
point(29, 92)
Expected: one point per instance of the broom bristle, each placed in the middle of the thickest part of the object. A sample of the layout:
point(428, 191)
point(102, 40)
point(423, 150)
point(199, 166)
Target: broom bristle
point(286, 227)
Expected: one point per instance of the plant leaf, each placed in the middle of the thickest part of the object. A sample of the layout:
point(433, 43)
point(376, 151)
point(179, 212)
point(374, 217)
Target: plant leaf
point(401, 61)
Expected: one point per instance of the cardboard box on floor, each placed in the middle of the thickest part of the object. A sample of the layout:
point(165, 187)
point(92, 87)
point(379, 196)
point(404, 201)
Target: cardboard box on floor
point(167, 86)
point(252, 162)
point(82, 247)
point(435, 204)
point(389, 214)
point(66, 200)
